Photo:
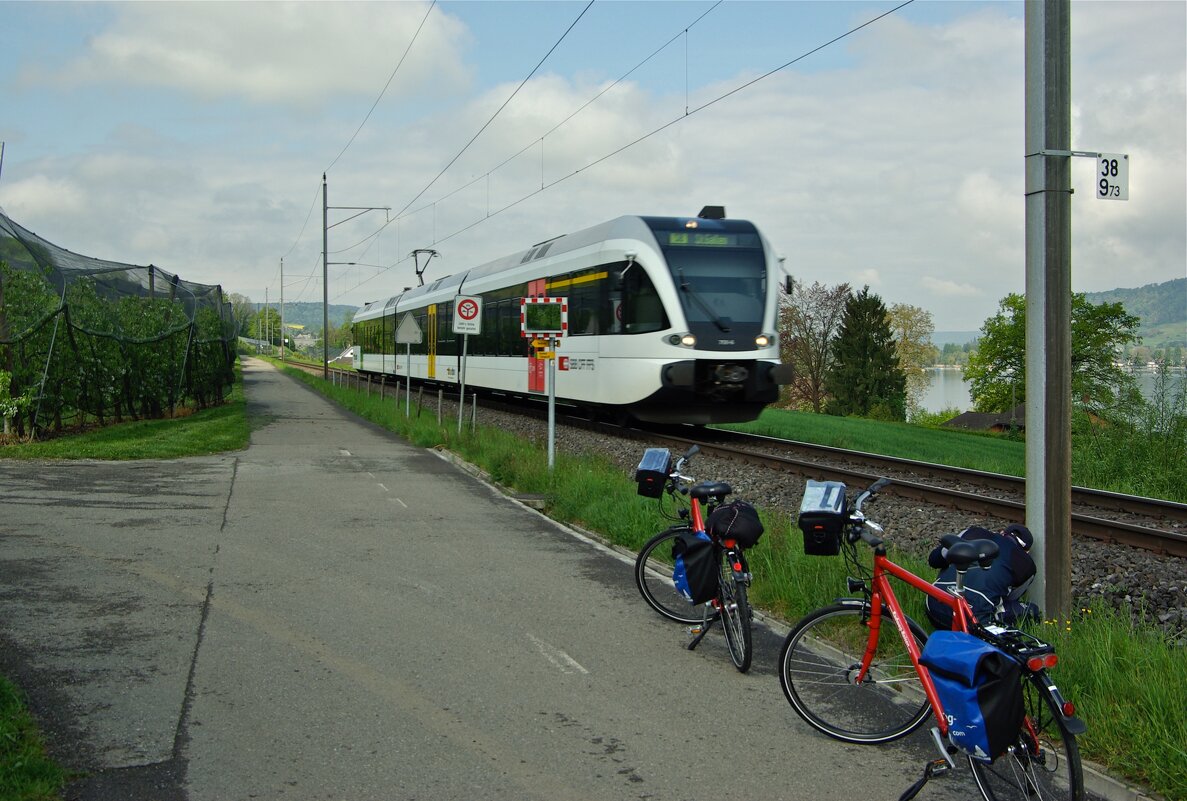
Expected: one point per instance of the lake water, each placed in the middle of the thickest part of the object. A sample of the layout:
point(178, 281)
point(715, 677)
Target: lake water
point(948, 389)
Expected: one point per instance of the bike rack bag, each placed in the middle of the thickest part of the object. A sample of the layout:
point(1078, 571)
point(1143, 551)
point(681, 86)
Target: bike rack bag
point(652, 473)
point(823, 514)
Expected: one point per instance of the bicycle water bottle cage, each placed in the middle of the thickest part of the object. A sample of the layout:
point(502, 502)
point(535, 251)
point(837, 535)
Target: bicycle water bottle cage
point(711, 489)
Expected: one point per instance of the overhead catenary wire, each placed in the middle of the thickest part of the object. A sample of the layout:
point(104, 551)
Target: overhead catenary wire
point(498, 111)
point(688, 113)
point(382, 91)
point(366, 117)
point(401, 215)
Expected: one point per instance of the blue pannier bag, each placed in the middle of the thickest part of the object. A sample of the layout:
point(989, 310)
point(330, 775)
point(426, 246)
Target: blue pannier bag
point(696, 566)
point(981, 690)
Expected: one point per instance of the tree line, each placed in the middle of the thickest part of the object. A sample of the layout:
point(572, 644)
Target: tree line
point(854, 356)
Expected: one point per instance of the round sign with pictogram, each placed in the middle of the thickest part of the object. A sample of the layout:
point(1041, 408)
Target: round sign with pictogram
point(467, 314)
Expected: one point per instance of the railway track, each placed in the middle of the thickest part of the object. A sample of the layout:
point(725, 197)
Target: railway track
point(1147, 523)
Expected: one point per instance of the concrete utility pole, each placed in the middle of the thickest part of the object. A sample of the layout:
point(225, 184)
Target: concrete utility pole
point(1049, 299)
point(325, 282)
point(282, 308)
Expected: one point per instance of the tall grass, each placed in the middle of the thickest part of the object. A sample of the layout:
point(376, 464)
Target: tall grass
point(1139, 449)
point(26, 772)
point(1129, 683)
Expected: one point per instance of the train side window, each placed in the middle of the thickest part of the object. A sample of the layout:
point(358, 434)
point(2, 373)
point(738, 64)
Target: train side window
point(583, 310)
point(447, 344)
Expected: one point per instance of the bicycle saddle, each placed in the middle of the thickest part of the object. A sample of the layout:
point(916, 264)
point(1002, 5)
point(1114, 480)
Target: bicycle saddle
point(710, 489)
point(961, 555)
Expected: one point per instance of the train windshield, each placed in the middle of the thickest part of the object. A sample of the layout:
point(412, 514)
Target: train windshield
point(720, 278)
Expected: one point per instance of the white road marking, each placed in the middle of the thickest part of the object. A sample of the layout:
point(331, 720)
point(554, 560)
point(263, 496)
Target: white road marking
point(558, 658)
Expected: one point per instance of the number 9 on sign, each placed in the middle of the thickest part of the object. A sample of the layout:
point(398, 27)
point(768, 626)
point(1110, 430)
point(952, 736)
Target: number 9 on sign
point(1112, 176)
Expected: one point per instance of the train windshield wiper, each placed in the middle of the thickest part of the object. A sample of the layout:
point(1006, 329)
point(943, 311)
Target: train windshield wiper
point(697, 299)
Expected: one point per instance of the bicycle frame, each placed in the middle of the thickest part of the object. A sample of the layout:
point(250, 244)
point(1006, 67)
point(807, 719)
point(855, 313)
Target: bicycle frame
point(881, 592)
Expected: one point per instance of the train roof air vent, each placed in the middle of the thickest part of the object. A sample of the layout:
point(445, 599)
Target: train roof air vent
point(712, 213)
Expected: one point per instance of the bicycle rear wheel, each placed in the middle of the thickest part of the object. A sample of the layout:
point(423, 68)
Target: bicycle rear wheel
point(736, 617)
point(653, 577)
point(1045, 763)
point(818, 668)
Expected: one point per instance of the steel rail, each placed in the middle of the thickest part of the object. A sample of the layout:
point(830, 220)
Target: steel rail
point(1160, 541)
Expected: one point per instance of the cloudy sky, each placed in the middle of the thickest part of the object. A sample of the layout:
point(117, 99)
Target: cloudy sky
point(194, 136)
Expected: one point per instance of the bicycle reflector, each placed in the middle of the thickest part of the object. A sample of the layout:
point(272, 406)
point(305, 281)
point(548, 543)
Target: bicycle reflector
point(1037, 663)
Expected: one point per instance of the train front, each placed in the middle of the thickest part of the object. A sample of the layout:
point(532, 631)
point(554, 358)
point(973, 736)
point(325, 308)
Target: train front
point(721, 292)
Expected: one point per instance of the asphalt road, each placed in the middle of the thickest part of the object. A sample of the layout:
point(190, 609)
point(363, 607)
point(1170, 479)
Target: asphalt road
point(334, 614)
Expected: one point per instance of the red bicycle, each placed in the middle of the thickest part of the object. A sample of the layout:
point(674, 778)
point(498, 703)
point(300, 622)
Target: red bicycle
point(654, 564)
point(848, 681)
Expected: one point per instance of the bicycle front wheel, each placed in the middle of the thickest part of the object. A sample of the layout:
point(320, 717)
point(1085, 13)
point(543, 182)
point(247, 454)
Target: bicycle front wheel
point(1044, 765)
point(818, 669)
point(653, 577)
point(736, 618)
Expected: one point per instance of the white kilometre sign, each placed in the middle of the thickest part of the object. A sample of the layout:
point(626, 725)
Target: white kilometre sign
point(1112, 176)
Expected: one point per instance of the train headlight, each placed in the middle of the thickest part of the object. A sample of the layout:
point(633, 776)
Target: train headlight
point(762, 340)
point(687, 340)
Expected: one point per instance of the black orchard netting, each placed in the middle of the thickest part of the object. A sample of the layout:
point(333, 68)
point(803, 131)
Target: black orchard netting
point(81, 336)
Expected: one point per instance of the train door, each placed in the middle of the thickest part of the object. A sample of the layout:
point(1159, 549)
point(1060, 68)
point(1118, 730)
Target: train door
point(431, 336)
point(537, 367)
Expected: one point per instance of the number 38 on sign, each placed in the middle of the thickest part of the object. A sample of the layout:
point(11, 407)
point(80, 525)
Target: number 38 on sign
point(1112, 176)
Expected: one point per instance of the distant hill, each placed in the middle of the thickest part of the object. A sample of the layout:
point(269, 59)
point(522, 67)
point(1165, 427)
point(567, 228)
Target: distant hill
point(1161, 307)
point(309, 315)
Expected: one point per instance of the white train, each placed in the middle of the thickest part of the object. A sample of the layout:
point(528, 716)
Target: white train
point(670, 320)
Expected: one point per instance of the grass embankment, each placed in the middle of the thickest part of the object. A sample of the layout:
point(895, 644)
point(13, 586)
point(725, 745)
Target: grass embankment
point(1129, 683)
point(971, 450)
point(26, 773)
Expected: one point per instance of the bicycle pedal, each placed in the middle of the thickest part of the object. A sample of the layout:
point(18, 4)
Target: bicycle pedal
point(944, 750)
point(940, 766)
point(693, 631)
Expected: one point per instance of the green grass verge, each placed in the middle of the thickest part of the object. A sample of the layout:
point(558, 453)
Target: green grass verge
point(212, 430)
point(26, 772)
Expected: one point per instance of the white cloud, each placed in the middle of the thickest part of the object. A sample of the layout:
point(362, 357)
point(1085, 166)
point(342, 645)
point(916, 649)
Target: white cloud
point(49, 195)
point(294, 53)
point(943, 287)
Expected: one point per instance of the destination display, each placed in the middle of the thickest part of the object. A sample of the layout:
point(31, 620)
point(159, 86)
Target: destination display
point(710, 239)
